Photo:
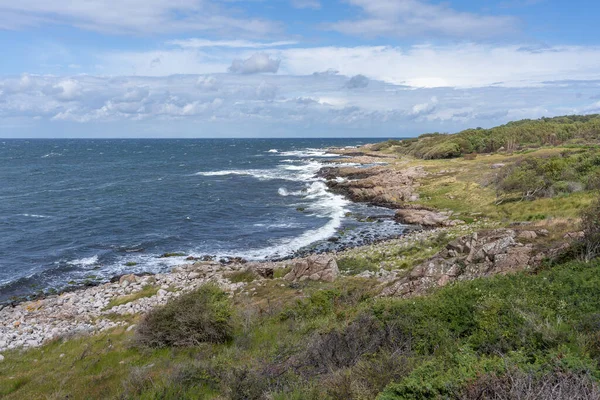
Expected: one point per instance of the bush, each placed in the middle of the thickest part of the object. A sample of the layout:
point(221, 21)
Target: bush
point(204, 315)
point(519, 385)
point(590, 224)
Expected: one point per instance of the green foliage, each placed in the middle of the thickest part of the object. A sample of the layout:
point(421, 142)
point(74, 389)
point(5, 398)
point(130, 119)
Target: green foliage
point(562, 174)
point(356, 265)
point(590, 224)
point(511, 137)
point(245, 275)
point(204, 315)
point(340, 341)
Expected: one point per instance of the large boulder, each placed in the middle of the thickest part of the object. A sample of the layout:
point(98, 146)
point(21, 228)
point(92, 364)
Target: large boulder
point(480, 254)
point(320, 267)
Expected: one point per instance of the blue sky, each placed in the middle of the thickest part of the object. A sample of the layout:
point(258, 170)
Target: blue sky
point(197, 68)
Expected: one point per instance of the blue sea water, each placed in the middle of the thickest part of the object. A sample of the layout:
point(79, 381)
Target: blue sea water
point(72, 211)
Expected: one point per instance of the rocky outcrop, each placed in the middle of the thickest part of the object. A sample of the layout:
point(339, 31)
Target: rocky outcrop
point(425, 218)
point(477, 255)
point(320, 267)
point(86, 311)
point(264, 269)
point(376, 185)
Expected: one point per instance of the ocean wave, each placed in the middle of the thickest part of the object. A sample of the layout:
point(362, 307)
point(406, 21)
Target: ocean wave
point(52, 154)
point(325, 205)
point(35, 216)
point(273, 151)
point(85, 262)
point(305, 172)
point(309, 153)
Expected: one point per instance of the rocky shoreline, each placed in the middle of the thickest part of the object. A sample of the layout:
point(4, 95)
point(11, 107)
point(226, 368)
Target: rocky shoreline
point(473, 250)
point(27, 323)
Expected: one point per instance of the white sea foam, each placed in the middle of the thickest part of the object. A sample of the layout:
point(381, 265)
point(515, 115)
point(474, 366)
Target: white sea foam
point(85, 262)
point(309, 153)
point(34, 216)
point(303, 173)
point(52, 154)
point(325, 205)
point(300, 166)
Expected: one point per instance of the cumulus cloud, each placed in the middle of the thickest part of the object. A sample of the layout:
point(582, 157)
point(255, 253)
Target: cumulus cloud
point(403, 18)
point(357, 82)
point(318, 105)
point(207, 83)
point(424, 108)
point(266, 91)
point(455, 65)
point(451, 65)
point(257, 63)
point(67, 90)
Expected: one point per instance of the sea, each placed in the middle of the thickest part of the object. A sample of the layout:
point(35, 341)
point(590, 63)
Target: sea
point(78, 212)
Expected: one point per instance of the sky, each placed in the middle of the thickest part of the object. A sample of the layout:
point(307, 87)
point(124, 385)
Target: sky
point(291, 68)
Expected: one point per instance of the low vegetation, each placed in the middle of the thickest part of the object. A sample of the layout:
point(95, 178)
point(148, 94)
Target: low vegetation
point(514, 136)
point(561, 174)
point(202, 316)
point(534, 334)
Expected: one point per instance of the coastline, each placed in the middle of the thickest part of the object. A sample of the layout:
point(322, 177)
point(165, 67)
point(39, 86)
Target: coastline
point(89, 309)
point(443, 251)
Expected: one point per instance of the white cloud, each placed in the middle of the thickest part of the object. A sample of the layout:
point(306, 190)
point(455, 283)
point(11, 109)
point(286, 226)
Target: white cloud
point(300, 104)
point(68, 90)
point(357, 82)
point(403, 18)
point(132, 16)
point(459, 65)
point(456, 65)
point(424, 108)
point(256, 63)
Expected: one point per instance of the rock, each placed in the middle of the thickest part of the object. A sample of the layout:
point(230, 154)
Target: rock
point(1, 358)
point(423, 217)
point(265, 270)
point(130, 328)
point(497, 166)
point(574, 235)
point(127, 278)
point(543, 232)
point(376, 185)
point(529, 235)
point(477, 255)
point(320, 267)
point(162, 292)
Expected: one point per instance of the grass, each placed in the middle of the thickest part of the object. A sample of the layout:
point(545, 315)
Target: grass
point(147, 291)
point(244, 275)
point(327, 341)
point(539, 322)
point(395, 255)
point(466, 189)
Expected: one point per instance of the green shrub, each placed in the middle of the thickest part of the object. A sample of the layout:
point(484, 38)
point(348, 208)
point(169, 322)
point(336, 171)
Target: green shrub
point(356, 265)
point(590, 224)
point(245, 275)
point(204, 315)
point(516, 135)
